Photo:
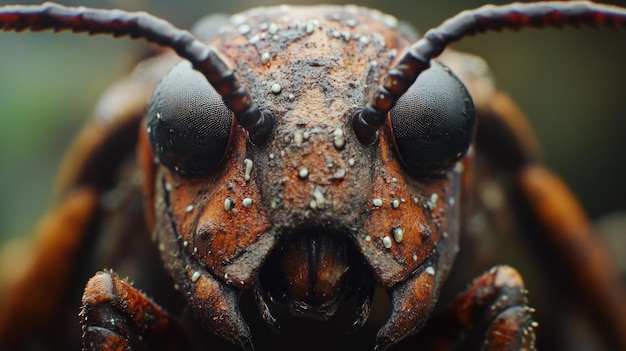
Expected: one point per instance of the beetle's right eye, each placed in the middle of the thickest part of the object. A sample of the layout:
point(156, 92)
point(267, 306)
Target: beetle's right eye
point(188, 123)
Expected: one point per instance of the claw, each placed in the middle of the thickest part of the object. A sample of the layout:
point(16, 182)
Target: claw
point(365, 295)
point(263, 301)
point(412, 301)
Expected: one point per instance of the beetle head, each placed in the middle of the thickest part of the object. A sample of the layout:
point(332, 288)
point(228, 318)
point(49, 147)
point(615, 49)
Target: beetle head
point(311, 216)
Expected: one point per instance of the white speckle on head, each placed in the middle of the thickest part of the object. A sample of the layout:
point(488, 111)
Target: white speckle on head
point(387, 242)
point(229, 204)
point(238, 19)
point(273, 28)
point(395, 203)
point(310, 27)
point(303, 173)
point(306, 135)
point(274, 204)
point(364, 39)
point(445, 234)
point(351, 161)
point(336, 34)
point(244, 29)
point(430, 270)
point(185, 243)
point(189, 208)
point(368, 238)
point(266, 57)
point(377, 202)
point(276, 88)
point(414, 257)
point(432, 202)
point(398, 234)
point(271, 156)
point(458, 167)
point(298, 138)
point(390, 21)
point(451, 201)
point(246, 202)
point(291, 97)
point(161, 247)
point(248, 169)
point(339, 173)
point(313, 204)
point(339, 138)
point(320, 201)
point(168, 186)
point(195, 276)
point(346, 35)
point(392, 53)
point(394, 179)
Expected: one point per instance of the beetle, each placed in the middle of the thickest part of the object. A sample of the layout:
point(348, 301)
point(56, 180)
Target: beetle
point(177, 183)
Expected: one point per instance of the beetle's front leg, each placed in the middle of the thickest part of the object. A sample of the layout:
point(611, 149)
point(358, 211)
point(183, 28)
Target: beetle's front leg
point(495, 300)
point(112, 309)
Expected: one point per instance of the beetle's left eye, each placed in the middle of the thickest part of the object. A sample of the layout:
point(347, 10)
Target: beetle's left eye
point(188, 123)
point(433, 122)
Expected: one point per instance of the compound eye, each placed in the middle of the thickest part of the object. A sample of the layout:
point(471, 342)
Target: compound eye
point(189, 125)
point(433, 122)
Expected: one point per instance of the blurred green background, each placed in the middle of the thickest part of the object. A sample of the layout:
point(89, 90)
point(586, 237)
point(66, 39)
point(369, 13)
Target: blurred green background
point(571, 83)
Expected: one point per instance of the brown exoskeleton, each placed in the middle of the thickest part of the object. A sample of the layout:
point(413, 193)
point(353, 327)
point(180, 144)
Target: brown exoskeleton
point(318, 189)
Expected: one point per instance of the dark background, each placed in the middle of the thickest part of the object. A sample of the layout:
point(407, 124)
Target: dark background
point(571, 83)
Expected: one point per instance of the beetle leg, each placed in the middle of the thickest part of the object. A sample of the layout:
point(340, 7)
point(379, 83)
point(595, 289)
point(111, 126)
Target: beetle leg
point(112, 308)
point(495, 300)
point(551, 217)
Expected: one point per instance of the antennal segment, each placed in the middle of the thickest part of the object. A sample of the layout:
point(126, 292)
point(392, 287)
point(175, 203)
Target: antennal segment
point(50, 16)
point(486, 18)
